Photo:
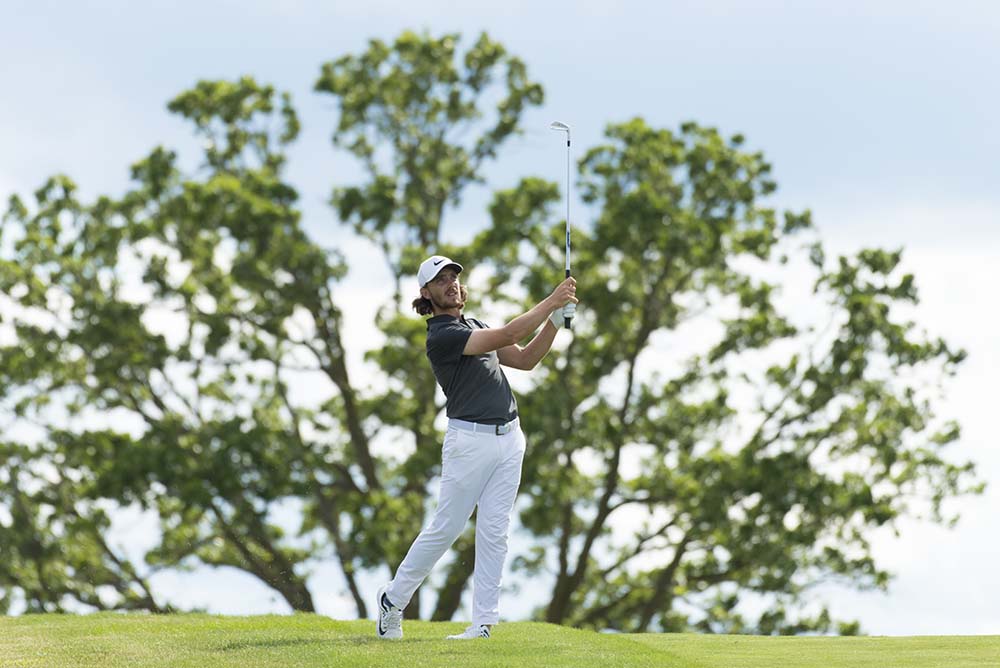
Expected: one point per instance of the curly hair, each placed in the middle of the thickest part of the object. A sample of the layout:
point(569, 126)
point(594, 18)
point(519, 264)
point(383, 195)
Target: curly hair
point(423, 306)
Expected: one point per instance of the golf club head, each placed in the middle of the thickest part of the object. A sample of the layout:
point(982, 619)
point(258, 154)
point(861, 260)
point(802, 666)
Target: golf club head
point(558, 125)
point(561, 127)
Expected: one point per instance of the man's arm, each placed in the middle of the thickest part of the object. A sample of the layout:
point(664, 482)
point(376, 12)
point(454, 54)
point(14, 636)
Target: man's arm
point(487, 340)
point(528, 357)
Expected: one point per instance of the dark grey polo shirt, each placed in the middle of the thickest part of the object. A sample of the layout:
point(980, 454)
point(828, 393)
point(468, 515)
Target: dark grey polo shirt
point(475, 386)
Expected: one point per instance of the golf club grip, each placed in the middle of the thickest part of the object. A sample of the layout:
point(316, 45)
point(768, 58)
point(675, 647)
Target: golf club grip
point(567, 321)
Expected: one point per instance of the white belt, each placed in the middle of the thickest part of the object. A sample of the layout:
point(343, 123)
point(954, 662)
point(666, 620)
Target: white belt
point(498, 429)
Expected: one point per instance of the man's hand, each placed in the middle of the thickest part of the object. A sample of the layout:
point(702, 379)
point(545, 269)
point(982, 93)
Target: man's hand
point(564, 294)
point(568, 311)
point(487, 340)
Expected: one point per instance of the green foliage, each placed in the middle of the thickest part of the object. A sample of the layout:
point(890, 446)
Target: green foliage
point(161, 340)
point(765, 500)
point(404, 110)
point(224, 264)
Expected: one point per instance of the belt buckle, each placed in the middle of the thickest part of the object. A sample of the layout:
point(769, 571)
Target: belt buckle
point(502, 429)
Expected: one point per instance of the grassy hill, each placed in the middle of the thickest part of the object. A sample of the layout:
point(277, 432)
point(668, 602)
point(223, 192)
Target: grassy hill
point(109, 640)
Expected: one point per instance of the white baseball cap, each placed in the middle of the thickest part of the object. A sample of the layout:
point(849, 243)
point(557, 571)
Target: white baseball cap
point(432, 266)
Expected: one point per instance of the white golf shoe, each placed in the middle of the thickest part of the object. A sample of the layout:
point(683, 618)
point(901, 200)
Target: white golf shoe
point(390, 618)
point(473, 632)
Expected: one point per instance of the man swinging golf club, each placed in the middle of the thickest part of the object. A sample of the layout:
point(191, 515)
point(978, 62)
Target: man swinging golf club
point(483, 444)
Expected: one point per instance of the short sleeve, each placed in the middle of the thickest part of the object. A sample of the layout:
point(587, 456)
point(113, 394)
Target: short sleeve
point(446, 343)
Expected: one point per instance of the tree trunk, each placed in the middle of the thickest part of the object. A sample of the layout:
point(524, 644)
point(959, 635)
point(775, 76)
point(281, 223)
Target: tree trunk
point(663, 589)
point(556, 612)
point(414, 606)
point(450, 594)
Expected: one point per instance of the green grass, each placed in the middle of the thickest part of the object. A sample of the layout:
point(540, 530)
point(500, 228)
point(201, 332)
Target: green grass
point(108, 640)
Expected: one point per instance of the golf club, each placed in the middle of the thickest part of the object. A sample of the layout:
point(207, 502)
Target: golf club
point(562, 127)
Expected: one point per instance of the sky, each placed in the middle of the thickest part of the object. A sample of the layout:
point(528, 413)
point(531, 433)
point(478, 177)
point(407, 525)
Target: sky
point(879, 117)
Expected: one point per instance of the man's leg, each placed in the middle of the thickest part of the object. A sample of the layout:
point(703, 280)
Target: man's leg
point(492, 524)
point(466, 466)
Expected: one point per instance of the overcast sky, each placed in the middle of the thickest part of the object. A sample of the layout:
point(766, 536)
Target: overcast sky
point(880, 117)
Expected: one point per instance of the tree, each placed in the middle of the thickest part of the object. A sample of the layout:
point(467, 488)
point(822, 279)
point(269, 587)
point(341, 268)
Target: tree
point(411, 106)
point(158, 322)
point(761, 462)
point(162, 338)
point(191, 307)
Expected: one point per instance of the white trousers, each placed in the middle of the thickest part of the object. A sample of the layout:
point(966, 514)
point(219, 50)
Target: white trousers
point(477, 468)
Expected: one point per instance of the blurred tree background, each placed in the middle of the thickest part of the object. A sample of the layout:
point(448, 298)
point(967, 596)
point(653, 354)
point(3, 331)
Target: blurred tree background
point(162, 339)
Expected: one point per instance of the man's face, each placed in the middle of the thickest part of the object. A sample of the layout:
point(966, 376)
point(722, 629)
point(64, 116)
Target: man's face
point(444, 290)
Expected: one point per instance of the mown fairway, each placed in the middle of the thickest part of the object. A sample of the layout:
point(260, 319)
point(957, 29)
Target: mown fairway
point(309, 640)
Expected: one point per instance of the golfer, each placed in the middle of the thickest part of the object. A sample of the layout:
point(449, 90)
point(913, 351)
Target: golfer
point(483, 444)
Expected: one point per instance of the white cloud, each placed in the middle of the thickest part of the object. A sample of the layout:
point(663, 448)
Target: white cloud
point(952, 250)
point(827, 119)
point(957, 226)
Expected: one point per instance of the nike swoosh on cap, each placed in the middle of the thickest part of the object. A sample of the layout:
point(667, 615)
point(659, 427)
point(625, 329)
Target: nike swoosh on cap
point(438, 262)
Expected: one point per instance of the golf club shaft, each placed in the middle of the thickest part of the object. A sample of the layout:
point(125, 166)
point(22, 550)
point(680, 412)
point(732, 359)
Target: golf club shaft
point(567, 321)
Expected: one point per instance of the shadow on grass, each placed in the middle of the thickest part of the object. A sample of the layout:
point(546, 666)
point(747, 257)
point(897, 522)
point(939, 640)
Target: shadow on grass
point(278, 643)
point(269, 643)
